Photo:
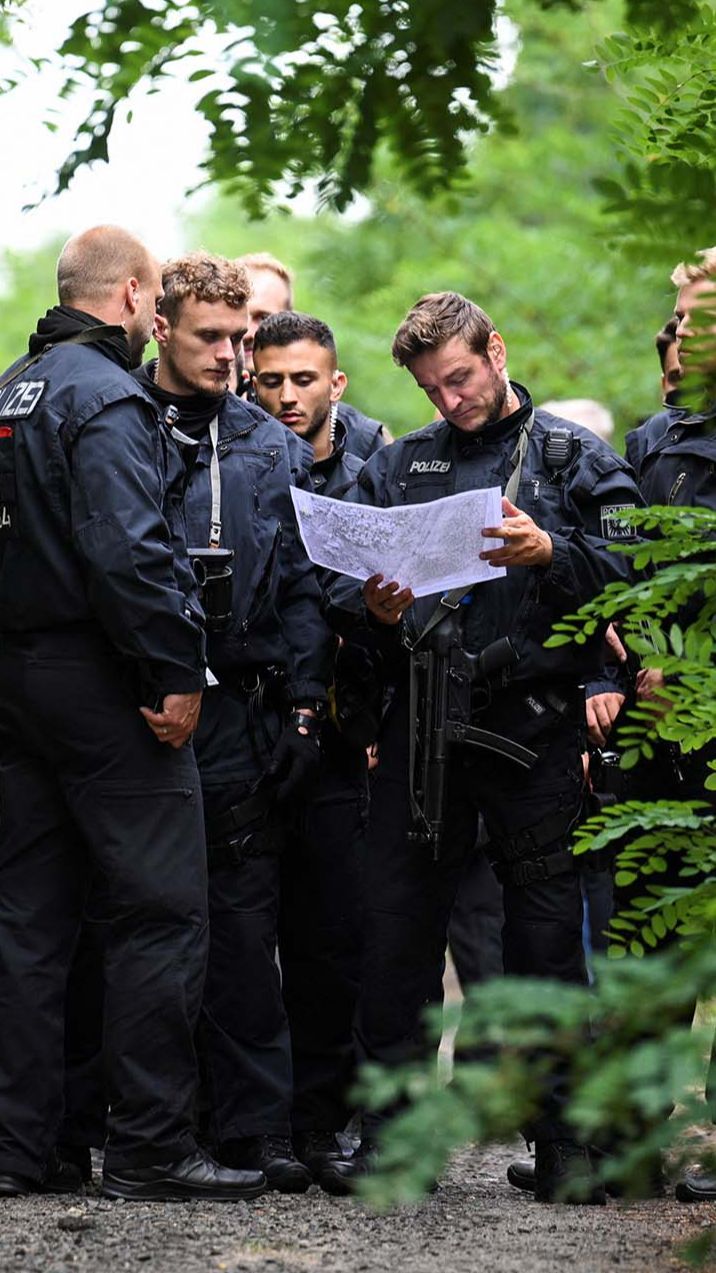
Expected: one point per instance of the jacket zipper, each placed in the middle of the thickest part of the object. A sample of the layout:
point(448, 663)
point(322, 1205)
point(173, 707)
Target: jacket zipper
point(262, 585)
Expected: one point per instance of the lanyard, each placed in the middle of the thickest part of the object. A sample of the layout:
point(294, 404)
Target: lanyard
point(215, 523)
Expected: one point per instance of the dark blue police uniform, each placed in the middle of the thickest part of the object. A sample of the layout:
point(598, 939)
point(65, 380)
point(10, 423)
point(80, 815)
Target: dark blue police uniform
point(320, 924)
point(364, 436)
point(275, 651)
point(674, 457)
point(98, 615)
point(537, 702)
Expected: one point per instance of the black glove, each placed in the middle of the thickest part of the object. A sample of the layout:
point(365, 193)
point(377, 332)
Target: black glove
point(296, 758)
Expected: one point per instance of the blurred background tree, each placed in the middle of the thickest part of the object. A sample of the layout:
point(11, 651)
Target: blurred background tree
point(521, 230)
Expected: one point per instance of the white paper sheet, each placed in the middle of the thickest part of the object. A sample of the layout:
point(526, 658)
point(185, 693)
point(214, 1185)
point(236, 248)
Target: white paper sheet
point(427, 547)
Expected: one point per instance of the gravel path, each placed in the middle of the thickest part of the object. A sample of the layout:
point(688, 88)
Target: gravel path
point(475, 1221)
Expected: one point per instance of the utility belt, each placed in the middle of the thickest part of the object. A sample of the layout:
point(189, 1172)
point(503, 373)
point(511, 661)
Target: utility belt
point(248, 829)
point(261, 687)
point(262, 681)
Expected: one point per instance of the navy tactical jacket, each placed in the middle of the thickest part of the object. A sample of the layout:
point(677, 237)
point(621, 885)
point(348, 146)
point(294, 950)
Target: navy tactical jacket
point(338, 471)
point(97, 534)
point(276, 598)
point(364, 435)
point(580, 506)
point(674, 457)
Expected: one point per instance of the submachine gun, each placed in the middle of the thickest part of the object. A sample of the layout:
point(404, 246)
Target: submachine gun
point(447, 686)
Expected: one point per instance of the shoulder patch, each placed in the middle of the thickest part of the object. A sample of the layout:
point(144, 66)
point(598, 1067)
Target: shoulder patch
point(20, 398)
point(613, 525)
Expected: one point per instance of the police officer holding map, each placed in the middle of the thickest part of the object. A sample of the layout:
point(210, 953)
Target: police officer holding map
point(518, 707)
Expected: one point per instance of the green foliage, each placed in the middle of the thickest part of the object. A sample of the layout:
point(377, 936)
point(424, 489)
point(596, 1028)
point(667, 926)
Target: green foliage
point(299, 92)
point(648, 838)
point(666, 130)
point(27, 280)
point(640, 1054)
point(668, 618)
point(520, 234)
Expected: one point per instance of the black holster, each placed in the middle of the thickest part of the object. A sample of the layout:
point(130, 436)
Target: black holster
point(247, 829)
point(521, 861)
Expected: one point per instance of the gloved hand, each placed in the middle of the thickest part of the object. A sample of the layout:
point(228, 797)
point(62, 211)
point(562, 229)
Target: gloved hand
point(296, 758)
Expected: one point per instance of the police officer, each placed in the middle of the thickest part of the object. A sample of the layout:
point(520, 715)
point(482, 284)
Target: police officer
point(271, 293)
point(298, 380)
point(566, 491)
point(673, 454)
point(674, 457)
point(257, 743)
point(101, 668)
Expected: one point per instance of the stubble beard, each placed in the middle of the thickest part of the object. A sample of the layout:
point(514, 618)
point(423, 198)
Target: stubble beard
point(188, 385)
point(499, 392)
point(316, 424)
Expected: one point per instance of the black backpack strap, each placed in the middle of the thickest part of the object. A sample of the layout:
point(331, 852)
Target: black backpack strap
point(88, 336)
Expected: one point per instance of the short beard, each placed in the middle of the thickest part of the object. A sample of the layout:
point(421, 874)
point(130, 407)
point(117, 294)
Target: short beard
point(190, 386)
point(316, 423)
point(501, 390)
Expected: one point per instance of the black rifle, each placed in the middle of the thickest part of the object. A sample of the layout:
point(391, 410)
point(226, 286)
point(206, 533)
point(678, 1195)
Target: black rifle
point(447, 686)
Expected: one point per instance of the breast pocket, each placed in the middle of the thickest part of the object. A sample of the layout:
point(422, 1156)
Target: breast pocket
point(422, 488)
point(542, 501)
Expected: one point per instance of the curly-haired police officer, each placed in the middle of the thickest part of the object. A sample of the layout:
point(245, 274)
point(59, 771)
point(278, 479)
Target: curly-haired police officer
point(257, 742)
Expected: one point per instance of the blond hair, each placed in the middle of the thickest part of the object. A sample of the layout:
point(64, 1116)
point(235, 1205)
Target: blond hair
point(265, 261)
point(206, 278)
point(686, 273)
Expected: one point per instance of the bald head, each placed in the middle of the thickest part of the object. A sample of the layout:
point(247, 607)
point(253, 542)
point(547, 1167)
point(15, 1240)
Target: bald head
point(95, 264)
point(109, 273)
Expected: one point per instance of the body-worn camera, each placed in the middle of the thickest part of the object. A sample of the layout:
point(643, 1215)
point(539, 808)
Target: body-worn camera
point(212, 571)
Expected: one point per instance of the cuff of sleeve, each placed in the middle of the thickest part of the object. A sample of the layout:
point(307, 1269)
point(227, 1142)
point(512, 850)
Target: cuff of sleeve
point(172, 679)
point(304, 691)
point(558, 574)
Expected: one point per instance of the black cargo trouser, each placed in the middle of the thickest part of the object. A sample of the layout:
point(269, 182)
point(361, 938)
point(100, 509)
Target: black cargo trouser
point(320, 937)
point(87, 790)
point(409, 896)
point(276, 1046)
point(476, 922)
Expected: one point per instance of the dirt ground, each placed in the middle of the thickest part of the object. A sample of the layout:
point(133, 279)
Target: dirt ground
point(475, 1221)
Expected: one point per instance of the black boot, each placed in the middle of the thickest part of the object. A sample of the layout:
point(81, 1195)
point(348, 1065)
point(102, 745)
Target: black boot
point(564, 1173)
point(521, 1174)
point(696, 1186)
point(273, 1155)
point(650, 1182)
point(58, 1177)
point(196, 1176)
point(329, 1167)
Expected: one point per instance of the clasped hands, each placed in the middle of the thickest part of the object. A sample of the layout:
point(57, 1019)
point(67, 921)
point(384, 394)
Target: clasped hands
point(523, 544)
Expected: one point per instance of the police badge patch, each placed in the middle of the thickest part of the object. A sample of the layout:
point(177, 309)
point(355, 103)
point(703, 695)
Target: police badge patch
point(614, 526)
point(20, 397)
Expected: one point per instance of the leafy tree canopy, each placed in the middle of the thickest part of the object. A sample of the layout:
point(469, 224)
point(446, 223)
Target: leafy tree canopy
point(520, 233)
point(301, 90)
